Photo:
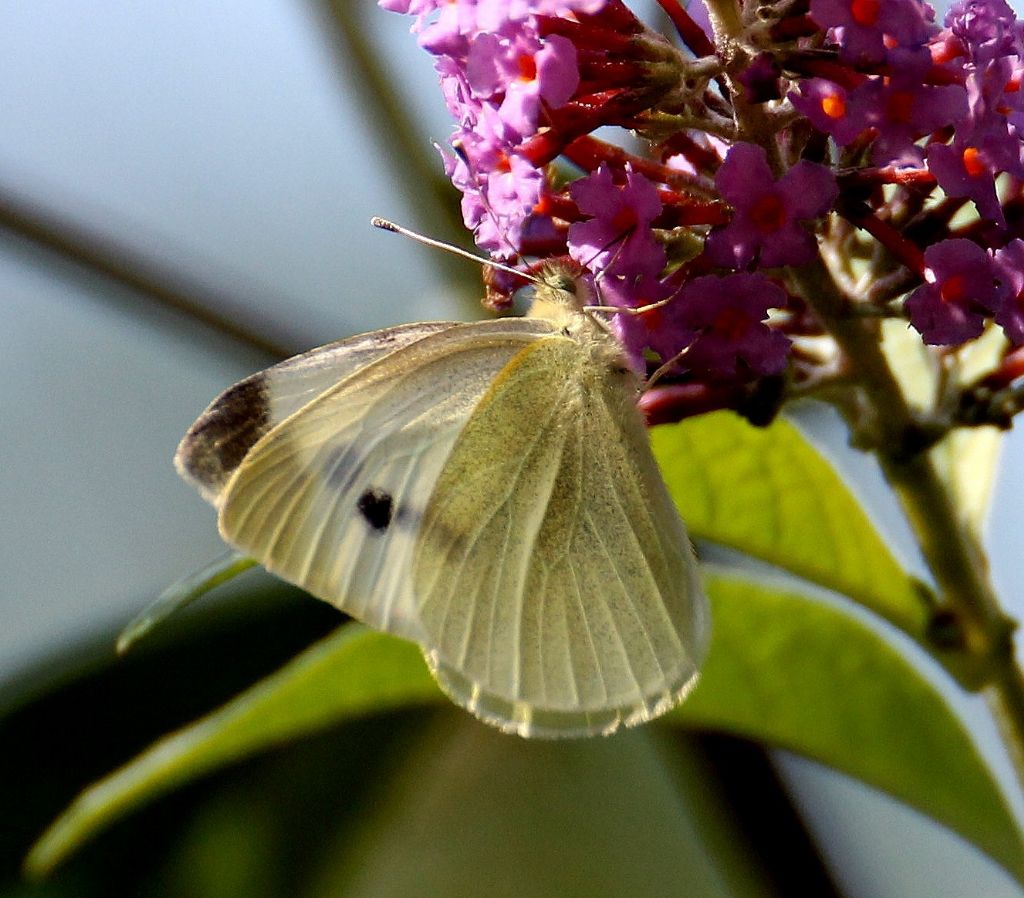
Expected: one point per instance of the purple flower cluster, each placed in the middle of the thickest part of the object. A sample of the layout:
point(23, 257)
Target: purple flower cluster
point(863, 110)
point(498, 76)
point(946, 102)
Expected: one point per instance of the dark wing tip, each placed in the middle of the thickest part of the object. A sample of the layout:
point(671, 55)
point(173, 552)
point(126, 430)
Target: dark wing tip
point(223, 435)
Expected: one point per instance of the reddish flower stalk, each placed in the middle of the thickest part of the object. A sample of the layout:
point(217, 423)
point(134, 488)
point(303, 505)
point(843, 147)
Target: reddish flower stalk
point(1010, 369)
point(691, 33)
point(874, 177)
point(794, 27)
point(588, 37)
point(588, 153)
point(905, 250)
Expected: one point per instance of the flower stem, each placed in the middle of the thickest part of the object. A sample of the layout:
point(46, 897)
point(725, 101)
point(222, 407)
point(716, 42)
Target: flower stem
point(881, 420)
point(1005, 699)
point(981, 658)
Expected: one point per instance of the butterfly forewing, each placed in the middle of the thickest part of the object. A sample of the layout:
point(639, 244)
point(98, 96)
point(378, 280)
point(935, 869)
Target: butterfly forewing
point(553, 579)
point(222, 436)
point(331, 498)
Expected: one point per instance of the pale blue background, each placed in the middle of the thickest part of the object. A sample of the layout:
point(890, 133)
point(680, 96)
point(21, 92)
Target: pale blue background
point(223, 140)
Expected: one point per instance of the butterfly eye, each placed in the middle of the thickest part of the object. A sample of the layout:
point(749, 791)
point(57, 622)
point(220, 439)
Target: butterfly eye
point(566, 283)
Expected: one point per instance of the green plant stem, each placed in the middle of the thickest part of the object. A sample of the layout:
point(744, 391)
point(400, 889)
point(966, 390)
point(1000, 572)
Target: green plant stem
point(368, 78)
point(882, 420)
point(986, 660)
point(102, 253)
point(1005, 699)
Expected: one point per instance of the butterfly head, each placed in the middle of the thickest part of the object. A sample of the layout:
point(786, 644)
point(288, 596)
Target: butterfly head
point(561, 289)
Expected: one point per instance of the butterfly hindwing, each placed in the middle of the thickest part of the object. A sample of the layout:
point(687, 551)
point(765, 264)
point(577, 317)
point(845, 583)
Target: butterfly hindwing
point(554, 581)
point(331, 497)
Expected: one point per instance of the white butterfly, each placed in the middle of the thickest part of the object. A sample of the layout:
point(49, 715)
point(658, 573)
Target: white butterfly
point(486, 490)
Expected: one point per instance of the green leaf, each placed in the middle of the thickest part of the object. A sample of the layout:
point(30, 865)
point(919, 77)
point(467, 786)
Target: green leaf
point(474, 813)
point(768, 493)
point(783, 669)
point(802, 675)
point(353, 671)
point(181, 594)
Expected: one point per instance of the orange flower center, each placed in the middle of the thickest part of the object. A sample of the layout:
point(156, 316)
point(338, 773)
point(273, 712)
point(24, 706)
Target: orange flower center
point(974, 165)
point(732, 324)
point(527, 67)
point(834, 106)
point(624, 221)
point(652, 318)
point(953, 289)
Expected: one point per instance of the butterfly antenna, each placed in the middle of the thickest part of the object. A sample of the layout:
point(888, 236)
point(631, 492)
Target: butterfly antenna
point(386, 225)
point(665, 367)
point(618, 310)
point(618, 238)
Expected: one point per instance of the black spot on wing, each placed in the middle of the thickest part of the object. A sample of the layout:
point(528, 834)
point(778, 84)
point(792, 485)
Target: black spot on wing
point(376, 507)
point(216, 444)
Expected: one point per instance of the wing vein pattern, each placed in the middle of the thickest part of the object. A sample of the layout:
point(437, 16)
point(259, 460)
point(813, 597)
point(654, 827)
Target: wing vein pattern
point(487, 490)
point(331, 497)
point(600, 618)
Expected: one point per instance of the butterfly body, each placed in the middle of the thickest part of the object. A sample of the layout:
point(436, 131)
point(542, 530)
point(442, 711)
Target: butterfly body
point(484, 489)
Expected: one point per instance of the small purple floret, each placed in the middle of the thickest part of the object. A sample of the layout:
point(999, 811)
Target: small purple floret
point(766, 224)
point(863, 25)
point(1009, 265)
point(724, 319)
point(964, 289)
point(618, 238)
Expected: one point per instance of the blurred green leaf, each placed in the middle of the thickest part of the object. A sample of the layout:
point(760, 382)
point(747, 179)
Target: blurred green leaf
point(767, 492)
point(473, 813)
point(351, 672)
point(181, 594)
point(799, 674)
point(230, 850)
point(783, 669)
